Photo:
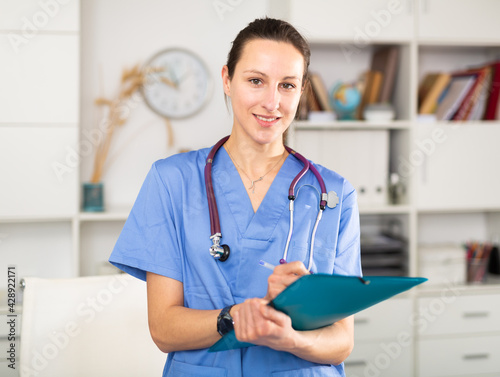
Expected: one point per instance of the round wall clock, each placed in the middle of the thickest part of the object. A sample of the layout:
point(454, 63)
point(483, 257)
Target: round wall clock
point(177, 83)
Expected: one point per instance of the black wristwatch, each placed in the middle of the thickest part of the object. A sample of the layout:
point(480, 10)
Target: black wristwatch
point(225, 321)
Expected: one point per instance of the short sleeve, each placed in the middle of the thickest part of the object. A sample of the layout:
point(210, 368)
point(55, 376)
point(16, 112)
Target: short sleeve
point(348, 257)
point(149, 240)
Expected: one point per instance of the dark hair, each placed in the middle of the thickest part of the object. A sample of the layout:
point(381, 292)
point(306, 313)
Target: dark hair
point(271, 29)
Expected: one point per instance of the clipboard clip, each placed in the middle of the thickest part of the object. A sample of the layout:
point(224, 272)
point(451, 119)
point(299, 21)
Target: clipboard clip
point(365, 282)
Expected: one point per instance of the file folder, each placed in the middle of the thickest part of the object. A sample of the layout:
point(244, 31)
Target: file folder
point(315, 301)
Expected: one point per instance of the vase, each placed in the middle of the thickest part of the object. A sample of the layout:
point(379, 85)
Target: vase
point(93, 197)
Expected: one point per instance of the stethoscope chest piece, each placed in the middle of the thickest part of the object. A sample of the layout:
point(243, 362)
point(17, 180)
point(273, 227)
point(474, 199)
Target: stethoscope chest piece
point(218, 251)
point(332, 200)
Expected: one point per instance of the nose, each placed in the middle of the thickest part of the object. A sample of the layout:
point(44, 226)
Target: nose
point(272, 99)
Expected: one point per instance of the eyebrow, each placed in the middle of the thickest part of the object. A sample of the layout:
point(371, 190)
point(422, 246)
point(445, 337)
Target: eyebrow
point(264, 75)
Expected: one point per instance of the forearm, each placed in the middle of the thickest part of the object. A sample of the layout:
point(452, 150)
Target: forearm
point(174, 327)
point(328, 345)
point(181, 329)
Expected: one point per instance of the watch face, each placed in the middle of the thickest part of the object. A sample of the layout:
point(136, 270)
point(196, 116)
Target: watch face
point(178, 83)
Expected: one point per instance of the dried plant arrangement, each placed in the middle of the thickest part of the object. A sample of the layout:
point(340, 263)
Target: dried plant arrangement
point(118, 111)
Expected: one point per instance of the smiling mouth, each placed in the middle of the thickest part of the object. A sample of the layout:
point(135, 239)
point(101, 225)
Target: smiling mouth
point(266, 119)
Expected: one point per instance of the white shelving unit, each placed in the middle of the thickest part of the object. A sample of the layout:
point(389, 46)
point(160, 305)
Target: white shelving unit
point(452, 179)
point(451, 193)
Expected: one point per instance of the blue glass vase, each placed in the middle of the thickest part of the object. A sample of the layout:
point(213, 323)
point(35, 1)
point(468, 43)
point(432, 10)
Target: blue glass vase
point(93, 197)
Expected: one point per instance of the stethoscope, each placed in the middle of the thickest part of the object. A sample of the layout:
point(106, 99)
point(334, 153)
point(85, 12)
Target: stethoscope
point(221, 252)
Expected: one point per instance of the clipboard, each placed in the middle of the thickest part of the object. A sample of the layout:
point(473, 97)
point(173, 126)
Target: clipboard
point(315, 301)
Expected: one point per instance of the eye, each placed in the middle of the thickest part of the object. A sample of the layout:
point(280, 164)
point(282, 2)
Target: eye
point(288, 86)
point(255, 81)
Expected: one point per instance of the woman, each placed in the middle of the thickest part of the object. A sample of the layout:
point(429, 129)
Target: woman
point(192, 297)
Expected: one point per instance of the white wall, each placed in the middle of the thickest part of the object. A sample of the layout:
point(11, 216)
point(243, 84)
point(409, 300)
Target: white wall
point(121, 33)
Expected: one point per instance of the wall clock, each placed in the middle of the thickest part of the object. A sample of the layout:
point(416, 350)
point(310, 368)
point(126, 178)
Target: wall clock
point(178, 83)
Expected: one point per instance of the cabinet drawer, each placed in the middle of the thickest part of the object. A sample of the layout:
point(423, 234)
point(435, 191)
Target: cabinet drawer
point(391, 358)
point(458, 315)
point(383, 321)
point(453, 357)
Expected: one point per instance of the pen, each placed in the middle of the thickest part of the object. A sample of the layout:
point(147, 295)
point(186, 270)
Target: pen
point(267, 265)
point(271, 266)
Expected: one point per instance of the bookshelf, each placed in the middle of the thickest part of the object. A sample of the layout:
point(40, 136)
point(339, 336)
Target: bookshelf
point(451, 182)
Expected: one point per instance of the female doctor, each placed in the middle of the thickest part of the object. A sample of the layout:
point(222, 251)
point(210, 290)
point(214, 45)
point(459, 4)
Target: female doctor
point(194, 298)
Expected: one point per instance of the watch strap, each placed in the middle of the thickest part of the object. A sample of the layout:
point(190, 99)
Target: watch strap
point(225, 321)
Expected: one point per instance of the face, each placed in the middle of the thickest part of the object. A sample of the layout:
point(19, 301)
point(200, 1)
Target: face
point(265, 89)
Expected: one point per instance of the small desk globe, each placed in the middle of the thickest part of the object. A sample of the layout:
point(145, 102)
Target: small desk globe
point(345, 99)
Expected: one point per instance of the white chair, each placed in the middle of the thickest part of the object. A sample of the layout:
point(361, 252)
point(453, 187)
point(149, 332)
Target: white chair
point(88, 326)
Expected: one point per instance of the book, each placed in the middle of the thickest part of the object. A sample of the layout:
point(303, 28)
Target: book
point(372, 81)
point(478, 109)
point(454, 94)
point(473, 96)
point(430, 90)
point(491, 112)
point(320, 92)
point(385, 61)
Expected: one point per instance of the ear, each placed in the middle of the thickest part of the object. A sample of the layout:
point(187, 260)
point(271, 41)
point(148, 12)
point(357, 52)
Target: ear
point(226, 81)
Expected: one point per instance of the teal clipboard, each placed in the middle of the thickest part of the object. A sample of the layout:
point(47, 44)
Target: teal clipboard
point(318, 300)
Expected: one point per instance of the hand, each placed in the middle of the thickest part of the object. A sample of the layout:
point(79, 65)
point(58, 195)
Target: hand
point(257, 323)
point(282, 276)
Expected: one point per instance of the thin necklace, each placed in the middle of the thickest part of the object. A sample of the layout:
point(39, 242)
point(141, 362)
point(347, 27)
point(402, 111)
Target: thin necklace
point(254, 181)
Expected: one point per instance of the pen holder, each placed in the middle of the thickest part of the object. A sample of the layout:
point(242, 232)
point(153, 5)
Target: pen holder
point(476, 270)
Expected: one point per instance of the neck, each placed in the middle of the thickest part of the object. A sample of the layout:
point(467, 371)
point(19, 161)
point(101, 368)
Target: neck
point(255, 159)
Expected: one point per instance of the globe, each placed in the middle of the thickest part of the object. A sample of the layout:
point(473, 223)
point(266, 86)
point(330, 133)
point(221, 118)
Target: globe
point(345, 99)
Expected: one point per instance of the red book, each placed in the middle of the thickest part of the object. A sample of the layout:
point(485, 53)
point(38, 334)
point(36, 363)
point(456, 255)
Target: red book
point(473, 94)
point(491, 106)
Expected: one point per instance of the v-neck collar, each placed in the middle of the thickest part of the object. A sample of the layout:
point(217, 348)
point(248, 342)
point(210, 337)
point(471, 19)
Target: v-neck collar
point(261, 224)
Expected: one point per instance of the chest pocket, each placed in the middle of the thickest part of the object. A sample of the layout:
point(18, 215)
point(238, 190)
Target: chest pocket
point(323, 257)
point(178, 369)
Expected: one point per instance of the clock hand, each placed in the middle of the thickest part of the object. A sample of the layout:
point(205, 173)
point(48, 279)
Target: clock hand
point(180, 80)
point(168, 82)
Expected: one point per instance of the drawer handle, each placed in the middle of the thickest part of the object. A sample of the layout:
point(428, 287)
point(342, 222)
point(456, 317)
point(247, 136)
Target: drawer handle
point(476, 314)
point(477, 356)
point(361, 321)
point(355, 363)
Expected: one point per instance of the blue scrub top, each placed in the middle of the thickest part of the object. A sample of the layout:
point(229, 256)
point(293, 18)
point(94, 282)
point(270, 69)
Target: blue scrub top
point(168, 233)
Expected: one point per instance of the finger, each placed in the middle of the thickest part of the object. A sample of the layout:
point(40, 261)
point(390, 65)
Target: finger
point(295, 267)
point(275, 316)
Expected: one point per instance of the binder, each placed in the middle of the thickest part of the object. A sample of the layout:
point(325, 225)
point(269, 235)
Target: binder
point(315, 301)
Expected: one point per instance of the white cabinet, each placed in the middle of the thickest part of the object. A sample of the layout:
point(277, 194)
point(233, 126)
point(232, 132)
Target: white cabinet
point(458, 334)
point(39, 171)
point(459, 20)
point(40, 80)
point(456, 165)
point(380, 358)
point(453, 315)
point(358, 21)
point(381, 322)
point(383, 340)
point(472, 356)
point(39, 136)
